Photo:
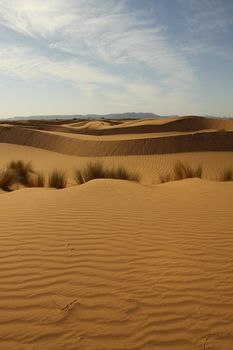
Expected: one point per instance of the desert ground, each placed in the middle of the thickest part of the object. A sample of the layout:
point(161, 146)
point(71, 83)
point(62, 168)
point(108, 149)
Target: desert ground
point(113, 264)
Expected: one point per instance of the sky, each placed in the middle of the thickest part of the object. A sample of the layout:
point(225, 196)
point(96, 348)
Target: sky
point(113, 56)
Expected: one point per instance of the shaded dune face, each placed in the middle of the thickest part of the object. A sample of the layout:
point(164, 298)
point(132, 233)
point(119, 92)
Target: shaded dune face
point(187, 134)
point(111, 264)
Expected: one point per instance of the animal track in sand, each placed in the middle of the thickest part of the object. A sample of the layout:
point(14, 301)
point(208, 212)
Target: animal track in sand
point(69, 247)
point(69, 306)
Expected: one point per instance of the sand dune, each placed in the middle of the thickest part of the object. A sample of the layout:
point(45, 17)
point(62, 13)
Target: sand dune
point(117, 265)
point(112, 264)
point(196, 142)
point(149, 167)
point(188, 124)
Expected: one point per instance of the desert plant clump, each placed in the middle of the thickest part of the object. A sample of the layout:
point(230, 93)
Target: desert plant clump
point(227, 174)
point(165, 178)
point(7, 179)
point(37, 180)
point(22, 172)
point(94, 171)
point(198, 171)
point(97, 171)
point(185, 171)
point(122, 174)
point(78, 177)
point(40, 180)
point(57, 179)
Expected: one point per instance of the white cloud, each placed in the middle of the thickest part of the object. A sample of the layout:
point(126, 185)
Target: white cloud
point(107, 32)
point(33, 17)
point(27, 64)
point(94, 45)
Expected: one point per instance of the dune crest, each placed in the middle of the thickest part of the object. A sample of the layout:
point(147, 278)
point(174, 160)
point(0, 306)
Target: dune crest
point(93, 138)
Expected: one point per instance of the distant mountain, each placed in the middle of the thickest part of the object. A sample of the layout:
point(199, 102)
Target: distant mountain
point(130, 115)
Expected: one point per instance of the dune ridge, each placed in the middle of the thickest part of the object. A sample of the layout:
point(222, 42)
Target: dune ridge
point(133, 126)
point(211, 141)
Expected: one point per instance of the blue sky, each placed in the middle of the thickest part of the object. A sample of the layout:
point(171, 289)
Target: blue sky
point(112, 56)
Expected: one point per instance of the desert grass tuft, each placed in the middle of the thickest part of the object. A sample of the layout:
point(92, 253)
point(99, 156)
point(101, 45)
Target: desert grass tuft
point(7, 179)
point(165, 178)
point(122, 174)
point(227, 174)
point(93, 171)
point(78, 177)
point(37, 180)
point(183, 170)
point(97, 171)
point(57, 179)
point(21, 171)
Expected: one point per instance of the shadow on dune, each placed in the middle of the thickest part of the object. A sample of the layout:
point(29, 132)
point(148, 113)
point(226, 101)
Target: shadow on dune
point(200, 142)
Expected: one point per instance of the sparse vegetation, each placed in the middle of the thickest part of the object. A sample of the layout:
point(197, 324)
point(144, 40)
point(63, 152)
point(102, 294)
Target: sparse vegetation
point(37, 180)
point(57, 179)
point(185, 171)
point(181, 171)
point(22, 172)
point(93, 171)
point(97, 171)
point(227, 174)
point(78, 177)
point(165, 178)
point(7, 179)
point(122, 174)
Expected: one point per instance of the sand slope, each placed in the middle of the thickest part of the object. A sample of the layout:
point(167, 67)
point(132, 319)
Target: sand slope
point(149, 167)
point(117, 265)
point(135, 137)
point(211, 141)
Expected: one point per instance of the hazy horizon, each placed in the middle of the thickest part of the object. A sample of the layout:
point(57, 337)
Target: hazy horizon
point(70, 57)
point(137, 115)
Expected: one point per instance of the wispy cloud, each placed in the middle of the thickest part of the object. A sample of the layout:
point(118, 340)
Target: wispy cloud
point(105, 33)
point(27, 64)
point(106, 48)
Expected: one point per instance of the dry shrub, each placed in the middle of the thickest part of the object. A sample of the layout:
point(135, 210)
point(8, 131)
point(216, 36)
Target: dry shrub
point(165, 178)
point(227, 174)
point(16, 172)
point(21, 172)
point(122, 174)
point(57, 179)
point(78, 177)
point(97, 171)
point(183, 170)
point(37, 180)
point(93, 171)
point(7, 179)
